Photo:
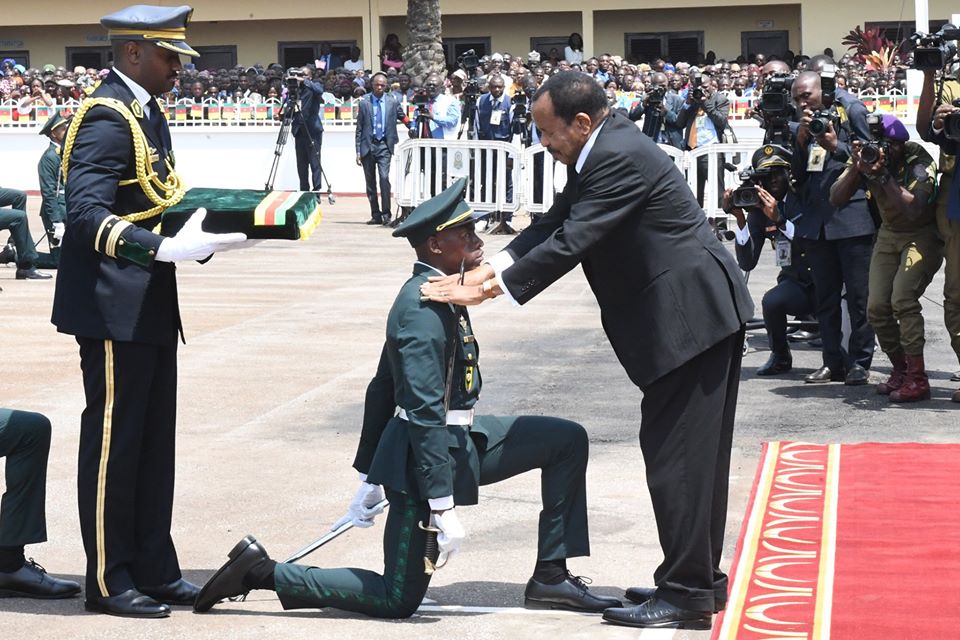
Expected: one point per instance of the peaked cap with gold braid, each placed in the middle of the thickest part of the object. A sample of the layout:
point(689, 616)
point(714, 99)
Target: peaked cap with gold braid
point(164, 26)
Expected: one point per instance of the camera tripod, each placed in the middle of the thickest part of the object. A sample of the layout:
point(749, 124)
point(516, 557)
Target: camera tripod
point(468, 117)
point(291, 108)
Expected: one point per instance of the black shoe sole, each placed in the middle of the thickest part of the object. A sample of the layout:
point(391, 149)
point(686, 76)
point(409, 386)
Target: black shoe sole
point(238, 549)
point(9, 593)
point(689, 625)
point(635, 601)
point(98, 608)
point(549, 605)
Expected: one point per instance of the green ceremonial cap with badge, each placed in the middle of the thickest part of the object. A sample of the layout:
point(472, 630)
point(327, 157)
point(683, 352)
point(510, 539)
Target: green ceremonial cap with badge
point(445, 210)
point(53, 122)
point(770, 156)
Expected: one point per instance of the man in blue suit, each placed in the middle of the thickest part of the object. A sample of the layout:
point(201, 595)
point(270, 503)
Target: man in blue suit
point(494, 123)
point(376, 137)
point(307, 127)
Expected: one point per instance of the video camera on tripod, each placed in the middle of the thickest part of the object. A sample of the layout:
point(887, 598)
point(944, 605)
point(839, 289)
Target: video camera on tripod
point(521, 123)
point(469, 62)
point(777, 110)
point(934, 51)
point(293, 80)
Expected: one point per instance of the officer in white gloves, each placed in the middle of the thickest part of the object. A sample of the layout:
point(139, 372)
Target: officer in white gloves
point(421, 443)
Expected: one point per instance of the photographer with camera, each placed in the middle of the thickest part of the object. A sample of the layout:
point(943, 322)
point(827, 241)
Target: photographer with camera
point(307, 127)
point(660, 109)
point(901, 178)
point(704, 116)
point(438, 115)
point(937, 109)
point(838, 240)
point(770, 203)
point(494, 122)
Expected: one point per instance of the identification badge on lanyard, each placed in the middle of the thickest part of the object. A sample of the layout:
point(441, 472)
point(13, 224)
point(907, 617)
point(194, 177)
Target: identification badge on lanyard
point(817, 158)
point(495, 116)
point(784, 255)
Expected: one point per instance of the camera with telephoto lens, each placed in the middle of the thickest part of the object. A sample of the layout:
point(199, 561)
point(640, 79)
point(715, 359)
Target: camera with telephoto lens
point(878, 146)
point(469, 62)
point(696, 91)
point(421, 98)
point(935, 50)
point(292, 81)
point(822, 118)
point(656, 95)
point(745, 196)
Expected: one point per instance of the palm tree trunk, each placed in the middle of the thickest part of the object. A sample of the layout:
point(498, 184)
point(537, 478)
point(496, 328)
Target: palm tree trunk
point(423, 54)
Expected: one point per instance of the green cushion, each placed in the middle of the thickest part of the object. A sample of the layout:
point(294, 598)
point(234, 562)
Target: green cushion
point(268, 215)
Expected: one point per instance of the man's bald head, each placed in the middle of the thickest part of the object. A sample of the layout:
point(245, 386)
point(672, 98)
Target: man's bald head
point(775, 66)
point(658, 79)
point(807, 92)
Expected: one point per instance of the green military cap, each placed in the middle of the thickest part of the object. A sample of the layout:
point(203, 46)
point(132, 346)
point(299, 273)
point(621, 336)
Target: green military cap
point(444, 210)
point(56, 120)
point(164, 26)
point(771, 155)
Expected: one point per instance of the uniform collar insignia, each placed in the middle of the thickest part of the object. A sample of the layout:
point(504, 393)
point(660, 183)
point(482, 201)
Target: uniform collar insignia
point(137, 109)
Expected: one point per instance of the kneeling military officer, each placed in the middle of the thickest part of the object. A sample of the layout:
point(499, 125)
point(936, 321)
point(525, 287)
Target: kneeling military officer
point(433, 454)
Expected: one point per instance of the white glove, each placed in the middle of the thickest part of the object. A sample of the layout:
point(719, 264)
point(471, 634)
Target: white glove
point(364, 507)
point(58, 229)
point(451, 534)
point(193, 243)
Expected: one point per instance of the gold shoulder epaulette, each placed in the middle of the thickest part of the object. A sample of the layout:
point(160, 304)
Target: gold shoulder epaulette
point(163, 194)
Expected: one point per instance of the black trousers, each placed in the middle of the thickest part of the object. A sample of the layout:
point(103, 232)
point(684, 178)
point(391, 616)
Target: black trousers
point(308, 160)
point(126, 468)
point(835, 264)
point(25, 443)
point(703, 166)
point(374, 163)
point(686, 432)
point(788, 297)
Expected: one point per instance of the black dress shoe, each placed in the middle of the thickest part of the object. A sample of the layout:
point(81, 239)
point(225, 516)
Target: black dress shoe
point(659, 614)
point(776, 364)
point(181, 593)
point(642, 594)
point(386, 219)
point(857, 376)
point(375, 220)
point(801, 335)
point(129, 604)
point(32, 581)
point(227, 582)
point(8, 253)
point(32, 274)
point(824, 374)
point(570, 595)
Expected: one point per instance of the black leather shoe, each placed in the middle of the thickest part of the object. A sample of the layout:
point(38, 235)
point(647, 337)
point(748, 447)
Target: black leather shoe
point(776, 364)
point(857, 376)
point(824, 374)
point(375, 220)
point(227, 582)
point(659, 614)
point(386, 219)
point(32, 581)
point(570, 595)
point(32, 274)
point(129, 604)
point(503, 229)
point(8, 254)
point(642, 594)
point(802, 335)
point(180, 593)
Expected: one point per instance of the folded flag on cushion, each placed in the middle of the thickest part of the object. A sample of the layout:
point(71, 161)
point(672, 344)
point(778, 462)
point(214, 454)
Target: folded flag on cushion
point(267, 215)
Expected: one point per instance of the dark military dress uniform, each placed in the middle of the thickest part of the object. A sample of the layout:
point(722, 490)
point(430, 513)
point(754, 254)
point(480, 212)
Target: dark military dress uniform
point(121, 305)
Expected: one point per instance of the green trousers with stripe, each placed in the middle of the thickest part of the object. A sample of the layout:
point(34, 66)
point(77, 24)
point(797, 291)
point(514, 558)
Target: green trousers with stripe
point(25, 443)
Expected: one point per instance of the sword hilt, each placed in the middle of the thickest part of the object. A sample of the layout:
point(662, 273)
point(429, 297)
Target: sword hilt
point(431, 550)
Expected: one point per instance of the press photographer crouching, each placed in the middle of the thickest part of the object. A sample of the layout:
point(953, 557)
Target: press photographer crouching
point(769, 202)
point(900, 177)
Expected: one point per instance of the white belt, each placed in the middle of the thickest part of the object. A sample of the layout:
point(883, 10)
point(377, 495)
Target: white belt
point(457, 417)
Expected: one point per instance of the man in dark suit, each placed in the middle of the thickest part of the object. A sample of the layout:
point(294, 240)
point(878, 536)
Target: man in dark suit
point(328, 60)
point(308, 129)
point(494, 123)
point(838, 241)
point(117, 294)
point(432, 455)
point(376, 137)
point(704, 119)
point(673, 305)
point(666, 109)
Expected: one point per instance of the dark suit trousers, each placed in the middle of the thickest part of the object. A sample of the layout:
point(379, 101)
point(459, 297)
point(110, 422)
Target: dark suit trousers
point(308, 159)
point(377, 161)
point(558, 447)
point(126, 468)
point(788, 297)
point(835, 264)
point(686, 433)
point(16, 221)
point(25, 443)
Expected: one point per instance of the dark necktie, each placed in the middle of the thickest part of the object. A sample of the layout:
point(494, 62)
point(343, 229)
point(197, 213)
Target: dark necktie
point(159, 124)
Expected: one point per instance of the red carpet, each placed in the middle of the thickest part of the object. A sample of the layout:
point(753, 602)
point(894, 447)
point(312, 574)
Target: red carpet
point(850, 542)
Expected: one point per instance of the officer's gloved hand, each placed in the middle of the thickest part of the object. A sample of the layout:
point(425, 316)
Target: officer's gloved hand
point(451, 534)
point(58, 229)
point(193, 243)
point(364, 507)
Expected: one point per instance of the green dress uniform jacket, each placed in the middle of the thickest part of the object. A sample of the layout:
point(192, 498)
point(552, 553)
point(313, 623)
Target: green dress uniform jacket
point(54, 206)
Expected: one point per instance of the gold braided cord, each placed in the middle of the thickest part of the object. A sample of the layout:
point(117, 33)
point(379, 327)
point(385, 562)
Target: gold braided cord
point(172, 188)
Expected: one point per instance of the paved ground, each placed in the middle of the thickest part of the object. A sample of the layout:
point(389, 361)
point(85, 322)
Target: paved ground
point(281, 341)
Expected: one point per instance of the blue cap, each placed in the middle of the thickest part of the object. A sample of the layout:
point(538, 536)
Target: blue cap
point(164, 26)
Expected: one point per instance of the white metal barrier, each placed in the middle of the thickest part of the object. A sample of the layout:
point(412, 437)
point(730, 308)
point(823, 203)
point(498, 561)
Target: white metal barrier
point(425, 167)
